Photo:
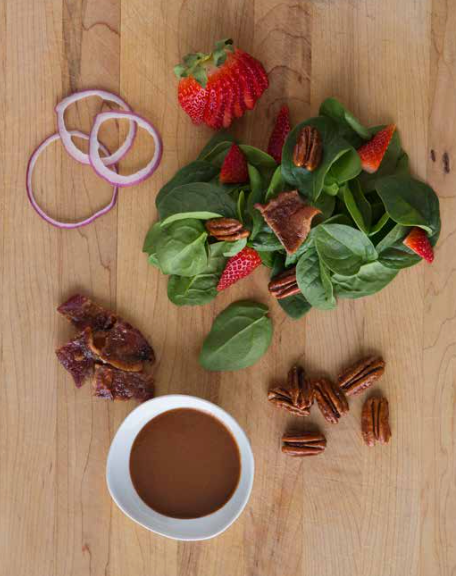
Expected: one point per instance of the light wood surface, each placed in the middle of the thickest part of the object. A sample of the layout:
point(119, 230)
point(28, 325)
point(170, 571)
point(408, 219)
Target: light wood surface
point(353, 511)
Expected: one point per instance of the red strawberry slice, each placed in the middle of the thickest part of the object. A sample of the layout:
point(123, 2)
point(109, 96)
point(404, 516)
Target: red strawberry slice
point(193, 99)
point(238, 267)
point(230, 96)
point(234, 168)
point(372, 152)
point(250, 75)
point(418, 241)
point(259, 72)
point(279, 134)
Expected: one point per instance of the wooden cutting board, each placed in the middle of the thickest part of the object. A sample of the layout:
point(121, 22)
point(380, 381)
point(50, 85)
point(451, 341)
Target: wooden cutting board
point(352, 511)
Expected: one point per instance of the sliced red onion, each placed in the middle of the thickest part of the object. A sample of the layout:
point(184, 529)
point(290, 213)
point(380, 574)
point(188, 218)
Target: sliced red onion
point(97, 161)
point(31, 196)
point(65, 134)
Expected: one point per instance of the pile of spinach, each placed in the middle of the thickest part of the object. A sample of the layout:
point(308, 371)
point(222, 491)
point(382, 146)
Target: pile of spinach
point(355, 247)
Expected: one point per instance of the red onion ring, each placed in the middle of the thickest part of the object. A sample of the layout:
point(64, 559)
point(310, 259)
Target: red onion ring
point(97, 162)
point(31, 165)
point(67, 142)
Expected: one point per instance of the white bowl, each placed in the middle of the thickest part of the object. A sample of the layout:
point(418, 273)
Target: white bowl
point(125, 496)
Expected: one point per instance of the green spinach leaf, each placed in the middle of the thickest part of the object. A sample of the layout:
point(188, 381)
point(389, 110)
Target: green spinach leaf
point(342, 248)
point(150, 242)
point(276, 185)
point(198, 171)
point(314, 280)
point(202, 288)
point(239, 337)
point(371, 278)
point(258, 158)
point(180, 248)
point(393, 253)
point(410, 202)
point(233, 248)
point(310, 184)
point(256, 195)
point(219, 137)
point(358, 206)
point(266, 242)
point(350, 126)
point(295, 307)
point(197, 200)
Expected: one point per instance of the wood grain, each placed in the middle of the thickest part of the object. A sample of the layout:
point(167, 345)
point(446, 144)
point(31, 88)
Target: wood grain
point(352, 511)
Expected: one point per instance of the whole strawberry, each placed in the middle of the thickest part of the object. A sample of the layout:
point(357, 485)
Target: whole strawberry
point(215, 88)
point(238, 267)
point(234, 169)
point(279, 134)
point(371, 153)
point(418, 241)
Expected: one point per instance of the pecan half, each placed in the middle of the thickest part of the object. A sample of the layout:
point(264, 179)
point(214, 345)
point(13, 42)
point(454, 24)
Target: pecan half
point(226, 229)
point(360, 376)
point(330, 399)
point(375, 421)
point(297, 397)
point(303, 444)
point(308, 149)
point(284, 284)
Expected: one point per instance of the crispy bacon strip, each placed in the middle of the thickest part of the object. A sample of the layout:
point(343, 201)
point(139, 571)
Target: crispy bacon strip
point(83, 313)
point(76, 357)
point(116, 384)
point(290, 218)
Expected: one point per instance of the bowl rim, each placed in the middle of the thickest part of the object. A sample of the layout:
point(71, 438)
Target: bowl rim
point(227, 420)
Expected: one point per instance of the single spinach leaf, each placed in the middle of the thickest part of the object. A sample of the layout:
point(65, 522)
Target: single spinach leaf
point(295, 307)
point(379, 225)
point(276, 185)
point(358, 206)
point(240, 206)
point(326, 204)
point(198, 171)
point(180, 248)
point(233, 248)
point(197, 200)
point(314, 280)
point(150, 243)
point(393, 253)
point(257, 157)
point(220, 136)
point(347, 167)
point(267, 258)
point(310, 184)
point(266, 242)
point(217, 155)
point(202, 288)
point(371, 278)
point(348, 123)
point(342, 248)
point(392, 162)
point(256, 195)
point(410, 202)
point(239, 337)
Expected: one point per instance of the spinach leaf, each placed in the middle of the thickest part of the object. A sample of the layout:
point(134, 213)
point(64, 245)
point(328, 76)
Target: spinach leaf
point(393, 253)
point(197, 171)
point(220, 136)
point(314, 280)
point(217, 155)
point(233, 248)
point(202, 288)
point(276, 185)
point(256, 195)
point(359, 208)
point(370, 279)
point(197, 200)
point(342, 248)
point(349, 125)
point(239, 337)
point(410, 202)
point(150, 243)
point(310, 184)
point(267, 258)
point(326, 204)
point(181, 248)
point(294, 306)
point(240, 206)
point(392, 162)
point(379, 225)
point(258, 158)
point(266, 242)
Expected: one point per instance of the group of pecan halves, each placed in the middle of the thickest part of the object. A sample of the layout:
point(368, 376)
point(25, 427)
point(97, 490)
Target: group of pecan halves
point(300, 392)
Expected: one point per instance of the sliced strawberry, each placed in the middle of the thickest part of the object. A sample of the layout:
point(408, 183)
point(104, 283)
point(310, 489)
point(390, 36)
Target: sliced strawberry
point(418, 241)
point(372, 152)
point(234, 168)
point(259, 72)
point(228, 113)
point(250, 75)
point(238, 267)
point(193, 99)
point(279, 134)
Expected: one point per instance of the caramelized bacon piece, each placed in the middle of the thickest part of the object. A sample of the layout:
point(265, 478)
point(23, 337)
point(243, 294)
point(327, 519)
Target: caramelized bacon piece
point(290, 218)
point(76, 357)
point(84, 313)
point(119, 385)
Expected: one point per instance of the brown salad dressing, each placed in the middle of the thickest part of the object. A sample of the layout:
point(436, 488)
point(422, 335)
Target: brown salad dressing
point(185, 464)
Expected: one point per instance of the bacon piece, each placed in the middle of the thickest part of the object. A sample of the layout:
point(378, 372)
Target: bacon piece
point(76, 357)
point(83, 313)
point(123, 347)
point(290, 218)
point(119, 385)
